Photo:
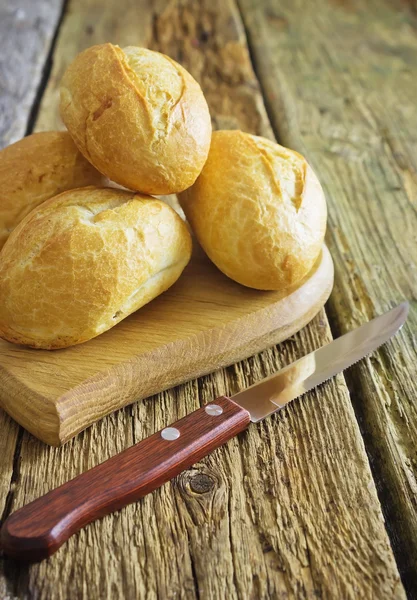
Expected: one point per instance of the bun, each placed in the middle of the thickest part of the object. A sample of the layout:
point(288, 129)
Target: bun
point(258, 210)
point(37, 168)
point(84, 261)
point(137, 116)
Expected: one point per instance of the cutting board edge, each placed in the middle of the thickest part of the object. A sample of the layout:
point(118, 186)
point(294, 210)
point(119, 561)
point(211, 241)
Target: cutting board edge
point(62, 413)
point(199, 364)
point(36, 407)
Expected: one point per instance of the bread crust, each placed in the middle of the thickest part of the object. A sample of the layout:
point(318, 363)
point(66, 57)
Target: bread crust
point(85, 260)
point(137, 116)
point(37, 168)
point(258, 210)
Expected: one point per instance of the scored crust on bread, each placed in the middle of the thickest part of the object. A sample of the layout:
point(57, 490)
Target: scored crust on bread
point(84, 261)
point(138, 116)
point(258, 211)
point(37, 168)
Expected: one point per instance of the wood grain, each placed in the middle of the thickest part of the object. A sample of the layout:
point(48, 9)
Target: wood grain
point(26, 32)
point(354, 117)
point(289, 508)
point(205, 321)
point(37, 530)
point(26, 35)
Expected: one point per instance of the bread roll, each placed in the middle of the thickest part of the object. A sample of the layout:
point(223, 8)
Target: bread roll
point(138, 117)
point(36, 168)
point(258, 210)
point(84, 261)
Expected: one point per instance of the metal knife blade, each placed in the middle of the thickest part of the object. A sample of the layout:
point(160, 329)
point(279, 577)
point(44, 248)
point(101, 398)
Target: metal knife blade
point(273, 393)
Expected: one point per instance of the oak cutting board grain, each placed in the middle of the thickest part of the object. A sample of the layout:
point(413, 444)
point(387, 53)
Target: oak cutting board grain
point(204, 322)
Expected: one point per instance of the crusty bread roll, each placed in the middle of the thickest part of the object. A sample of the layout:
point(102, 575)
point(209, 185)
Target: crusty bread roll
point(258, 210)
point(37, 168)
point(85, 260)
point(138, 117)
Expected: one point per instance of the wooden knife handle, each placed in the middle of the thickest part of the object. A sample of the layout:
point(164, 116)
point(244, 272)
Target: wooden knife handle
point(37, 530)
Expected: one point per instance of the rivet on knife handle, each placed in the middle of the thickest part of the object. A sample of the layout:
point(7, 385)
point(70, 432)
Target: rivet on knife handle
point(38, 529)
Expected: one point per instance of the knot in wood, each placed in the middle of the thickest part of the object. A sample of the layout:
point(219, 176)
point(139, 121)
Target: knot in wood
point(201, 483)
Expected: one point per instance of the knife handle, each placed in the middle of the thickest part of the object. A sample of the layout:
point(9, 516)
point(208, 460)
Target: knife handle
point(37, 530)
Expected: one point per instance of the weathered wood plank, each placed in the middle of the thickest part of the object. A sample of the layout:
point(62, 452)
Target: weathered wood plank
point(341, 85)
point(26, 33)
point(272, 514)
point(9, 433)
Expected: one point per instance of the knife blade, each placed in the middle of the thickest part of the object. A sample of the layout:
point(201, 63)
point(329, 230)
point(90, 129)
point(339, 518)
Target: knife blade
point(273, 393)
point(37, 530)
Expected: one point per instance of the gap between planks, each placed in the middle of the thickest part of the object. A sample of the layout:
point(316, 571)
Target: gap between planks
point(46, 72)
point(33, 113)
point(281, 106)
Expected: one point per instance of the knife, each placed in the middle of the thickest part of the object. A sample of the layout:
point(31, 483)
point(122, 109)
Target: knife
point(37, 530)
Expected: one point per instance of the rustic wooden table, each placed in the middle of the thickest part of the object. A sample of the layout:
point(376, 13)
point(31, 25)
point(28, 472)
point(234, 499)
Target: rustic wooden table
point(320, 500)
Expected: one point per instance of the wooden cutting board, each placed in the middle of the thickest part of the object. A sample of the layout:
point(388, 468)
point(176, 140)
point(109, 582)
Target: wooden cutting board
point(205, 321)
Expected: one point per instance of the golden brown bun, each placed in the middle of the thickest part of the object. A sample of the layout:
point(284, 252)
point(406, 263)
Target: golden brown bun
point(258, 210)
point(37, 168)
point(138, 117)
point(85, 260)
